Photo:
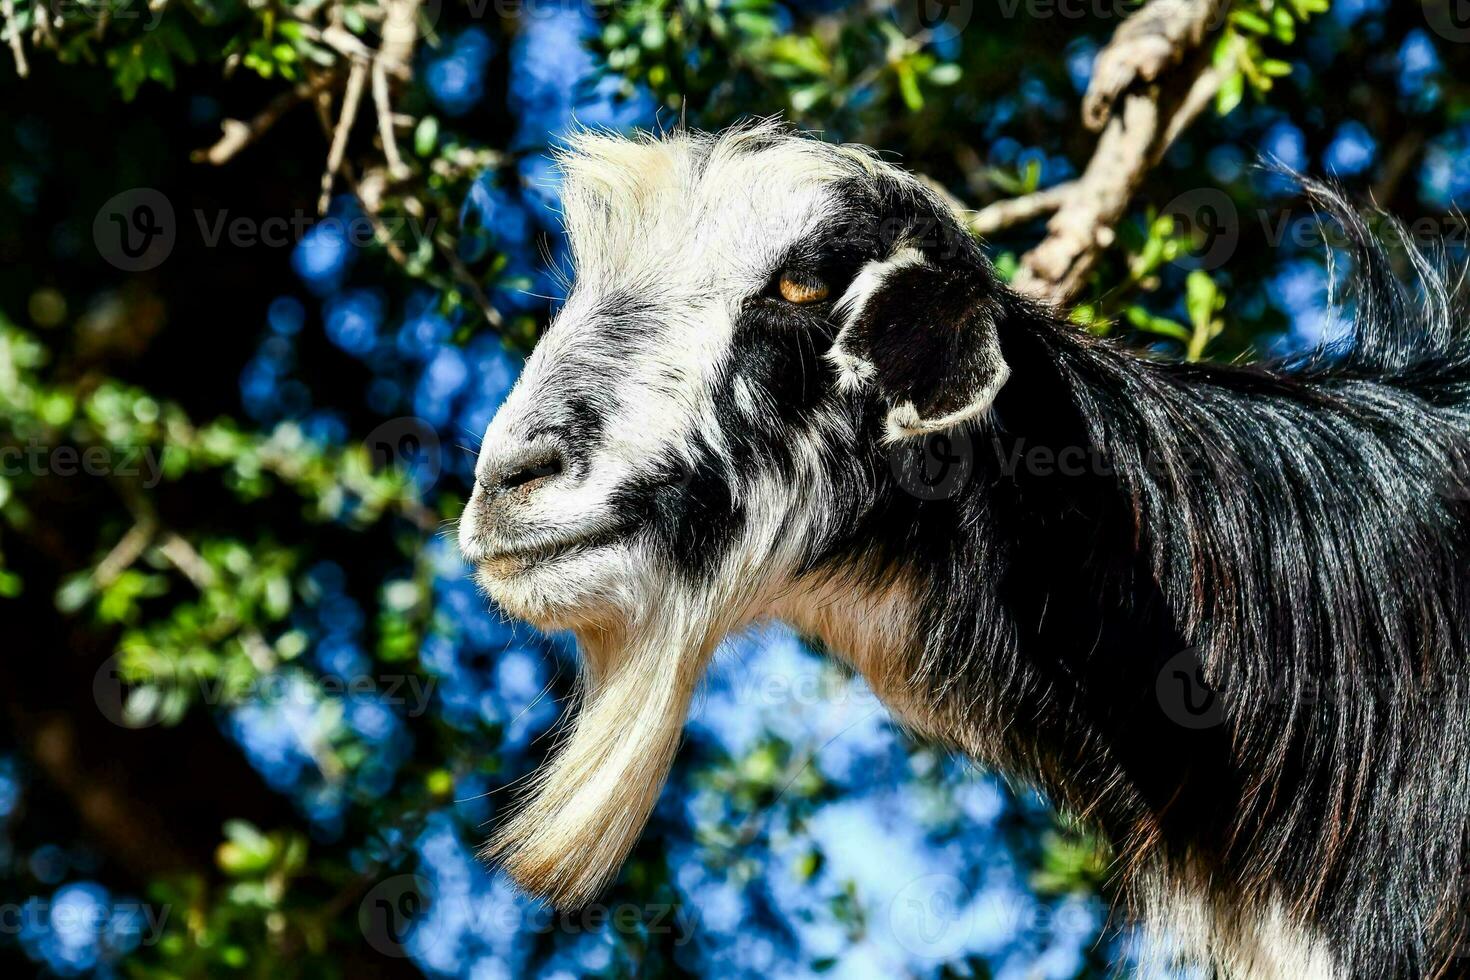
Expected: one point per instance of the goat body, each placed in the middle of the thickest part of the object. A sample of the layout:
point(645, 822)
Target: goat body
point(1220, 612)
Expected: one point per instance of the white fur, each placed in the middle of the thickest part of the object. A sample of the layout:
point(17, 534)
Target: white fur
point(855, 371)
point(691, 248)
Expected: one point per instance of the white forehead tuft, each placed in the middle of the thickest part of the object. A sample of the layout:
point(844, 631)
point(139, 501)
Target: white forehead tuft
point(726, 204)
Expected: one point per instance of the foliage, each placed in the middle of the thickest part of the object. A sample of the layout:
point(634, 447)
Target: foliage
point(221, 536)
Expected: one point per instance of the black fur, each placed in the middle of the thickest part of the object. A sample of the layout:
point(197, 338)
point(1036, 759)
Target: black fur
point(1298, 535)
point(1294, 537)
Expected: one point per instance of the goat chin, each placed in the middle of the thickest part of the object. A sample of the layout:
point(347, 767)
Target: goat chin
point(586, 807)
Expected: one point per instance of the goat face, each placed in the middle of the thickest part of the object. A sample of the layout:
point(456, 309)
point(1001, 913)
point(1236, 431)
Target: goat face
point(754, 317)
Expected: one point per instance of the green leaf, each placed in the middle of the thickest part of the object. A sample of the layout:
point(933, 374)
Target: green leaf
point(945, 74)
point(426, 136)
point(1252, 22)
point(1232, 91)
point(908, 86)
point(1162, 326)
point(11, 585)
point(1202, 297)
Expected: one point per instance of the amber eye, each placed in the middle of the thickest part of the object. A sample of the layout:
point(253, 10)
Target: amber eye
point(792, 291)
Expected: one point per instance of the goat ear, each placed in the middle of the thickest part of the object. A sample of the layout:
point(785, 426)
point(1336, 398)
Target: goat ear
point(924, 336)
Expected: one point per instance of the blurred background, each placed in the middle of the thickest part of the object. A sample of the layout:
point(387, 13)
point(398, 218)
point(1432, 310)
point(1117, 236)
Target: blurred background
point(266, 271)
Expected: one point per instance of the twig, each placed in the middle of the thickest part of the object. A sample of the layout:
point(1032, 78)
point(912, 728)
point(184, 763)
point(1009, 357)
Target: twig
point(181, 554)
point(237, 134)
point(351, 99)
point(42, 33)
point(125, 553)
point(345, 43)
point(1013, 211)
point(17, 44)
point(400, 32)
point(487, 309)
point(396, 168)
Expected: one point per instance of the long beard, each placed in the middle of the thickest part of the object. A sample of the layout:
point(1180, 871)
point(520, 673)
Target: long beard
point(585, 809)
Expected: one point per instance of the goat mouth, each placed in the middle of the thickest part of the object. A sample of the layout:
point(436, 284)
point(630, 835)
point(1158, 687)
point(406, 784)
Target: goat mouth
point(520, 558)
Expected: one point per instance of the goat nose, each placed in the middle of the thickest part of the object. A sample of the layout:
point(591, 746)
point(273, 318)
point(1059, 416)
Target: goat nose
point(524, 467)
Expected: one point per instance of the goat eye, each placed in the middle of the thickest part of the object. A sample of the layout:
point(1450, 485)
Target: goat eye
point(802, 291)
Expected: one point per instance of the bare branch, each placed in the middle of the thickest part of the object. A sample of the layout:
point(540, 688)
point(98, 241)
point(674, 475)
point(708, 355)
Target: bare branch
point(1156, 38)
point(125, 553)
point(183, 556)
point(237, 134)
point(1016, 210)
point(17, 44)
point(42, 32)
point(1136, 135)
point(351, 99)
point(400, 32)
point(487, 309)
point(396, 167)
point(345, 43)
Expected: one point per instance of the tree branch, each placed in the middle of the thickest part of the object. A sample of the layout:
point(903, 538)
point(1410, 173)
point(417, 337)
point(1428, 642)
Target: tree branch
point(1017, 210)
point(17, 44)
point(1156, 38)
point(237, 134)
point(351, 99)
point(1176, 85)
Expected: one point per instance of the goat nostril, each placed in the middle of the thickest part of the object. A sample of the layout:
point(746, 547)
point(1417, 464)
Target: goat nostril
point(533, 467)
point(531, 474)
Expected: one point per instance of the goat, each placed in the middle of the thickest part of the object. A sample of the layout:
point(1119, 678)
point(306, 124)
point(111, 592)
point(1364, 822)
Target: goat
point(705, 438)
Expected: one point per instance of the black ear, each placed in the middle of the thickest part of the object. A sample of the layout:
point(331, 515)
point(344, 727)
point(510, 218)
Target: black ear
point(922, 331)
